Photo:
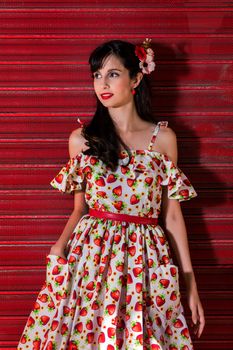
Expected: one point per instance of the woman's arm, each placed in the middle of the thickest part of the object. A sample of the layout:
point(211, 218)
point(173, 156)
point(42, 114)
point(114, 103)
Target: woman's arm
point(80, 206)
point(175, 228)
point(59, 247)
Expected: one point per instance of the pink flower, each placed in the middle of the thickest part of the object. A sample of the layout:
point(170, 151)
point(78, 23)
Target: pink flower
point(147, 67)
point(150, 52)
point(149, 58)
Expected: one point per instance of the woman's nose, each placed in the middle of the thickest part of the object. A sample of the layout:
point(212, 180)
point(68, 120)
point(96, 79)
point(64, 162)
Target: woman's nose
point(105, 83)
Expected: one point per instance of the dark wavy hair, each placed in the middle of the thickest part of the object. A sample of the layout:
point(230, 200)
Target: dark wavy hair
point(101, 135)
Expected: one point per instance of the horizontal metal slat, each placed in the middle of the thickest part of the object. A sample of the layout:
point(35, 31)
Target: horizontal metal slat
point(60, 48)
point(141, 20)
point(41, 203)
point(166, 5)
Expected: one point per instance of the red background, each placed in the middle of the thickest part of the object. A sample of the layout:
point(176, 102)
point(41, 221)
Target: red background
point(45, 85)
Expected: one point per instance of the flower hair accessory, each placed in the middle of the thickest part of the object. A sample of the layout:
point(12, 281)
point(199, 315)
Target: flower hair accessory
point(146, 56)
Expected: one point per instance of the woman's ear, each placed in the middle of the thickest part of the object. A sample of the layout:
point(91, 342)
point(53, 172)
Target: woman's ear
point(137, 79)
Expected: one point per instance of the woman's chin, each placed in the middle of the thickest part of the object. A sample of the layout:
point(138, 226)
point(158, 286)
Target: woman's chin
point(109, 104)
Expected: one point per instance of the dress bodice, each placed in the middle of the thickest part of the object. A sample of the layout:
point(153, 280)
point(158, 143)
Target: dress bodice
point(135, 188)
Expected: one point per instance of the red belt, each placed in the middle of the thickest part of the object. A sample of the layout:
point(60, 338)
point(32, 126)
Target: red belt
point(123, 217)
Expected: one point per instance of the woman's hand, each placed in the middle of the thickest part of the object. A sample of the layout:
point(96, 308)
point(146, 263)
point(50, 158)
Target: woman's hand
point(198, 319)
point(58, 250)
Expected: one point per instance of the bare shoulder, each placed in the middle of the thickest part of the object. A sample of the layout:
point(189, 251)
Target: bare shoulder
point(76, 142)
point(167, 134)
point(168, 142)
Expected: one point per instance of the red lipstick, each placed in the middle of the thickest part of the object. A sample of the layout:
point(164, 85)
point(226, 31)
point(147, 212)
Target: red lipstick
point(106, 95)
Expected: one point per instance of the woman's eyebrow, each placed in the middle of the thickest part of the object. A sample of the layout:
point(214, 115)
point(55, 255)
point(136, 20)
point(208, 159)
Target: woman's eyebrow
point(109, 70)
point(114, 69)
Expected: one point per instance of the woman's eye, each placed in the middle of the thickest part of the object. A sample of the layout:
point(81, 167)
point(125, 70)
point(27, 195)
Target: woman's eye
point(96, 75)
point(112, 74)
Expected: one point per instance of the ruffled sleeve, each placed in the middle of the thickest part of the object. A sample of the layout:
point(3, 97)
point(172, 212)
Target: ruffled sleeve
point(70, 177)
point(179, 186)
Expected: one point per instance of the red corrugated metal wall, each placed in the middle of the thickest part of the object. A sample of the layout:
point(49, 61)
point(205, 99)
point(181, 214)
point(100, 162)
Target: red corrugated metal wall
point(45, 86)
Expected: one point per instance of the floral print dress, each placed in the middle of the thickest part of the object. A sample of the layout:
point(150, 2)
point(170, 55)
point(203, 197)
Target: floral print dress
point(118, 288)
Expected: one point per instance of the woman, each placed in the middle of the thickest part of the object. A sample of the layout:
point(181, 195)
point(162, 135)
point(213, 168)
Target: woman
point(111, 282)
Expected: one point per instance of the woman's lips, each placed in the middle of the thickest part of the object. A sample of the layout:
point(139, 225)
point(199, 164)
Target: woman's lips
point(106, 96)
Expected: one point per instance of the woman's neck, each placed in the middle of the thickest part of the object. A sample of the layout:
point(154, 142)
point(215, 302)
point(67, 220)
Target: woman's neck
point(125, 118)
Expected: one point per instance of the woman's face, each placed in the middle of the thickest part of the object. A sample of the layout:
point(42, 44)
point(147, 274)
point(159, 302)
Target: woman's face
point(112, 83)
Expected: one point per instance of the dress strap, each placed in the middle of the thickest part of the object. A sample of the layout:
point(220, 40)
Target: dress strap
point(81, 122)
point(155, 132)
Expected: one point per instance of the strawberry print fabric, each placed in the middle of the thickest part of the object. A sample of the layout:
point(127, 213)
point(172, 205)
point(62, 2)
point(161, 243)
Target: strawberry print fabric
point(118, 287)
